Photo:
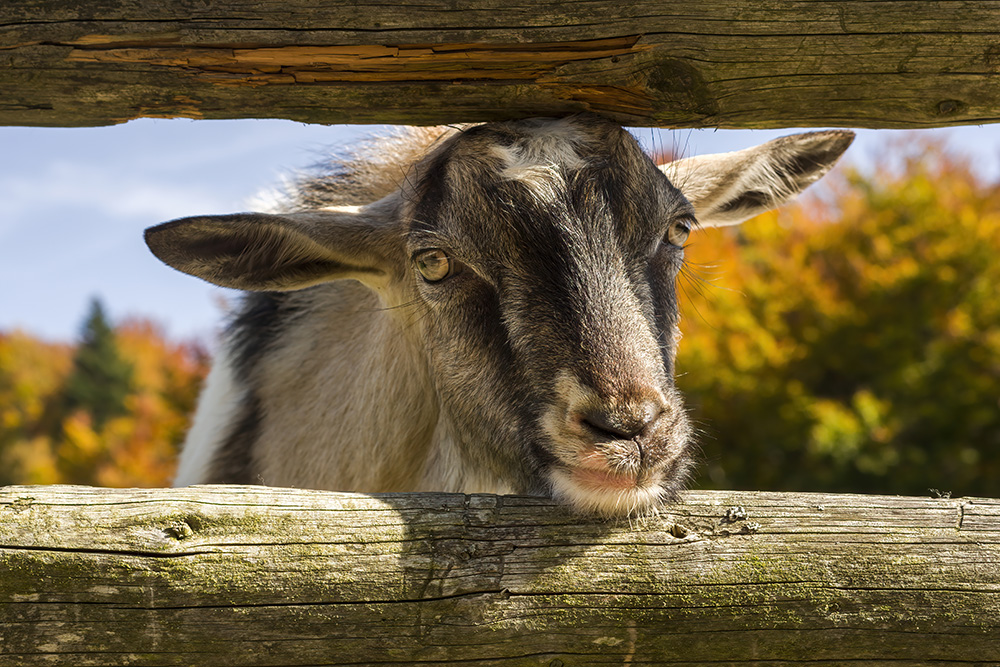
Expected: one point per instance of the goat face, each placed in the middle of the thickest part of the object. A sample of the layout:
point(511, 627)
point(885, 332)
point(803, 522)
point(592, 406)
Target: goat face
point(545, 255)
point(538, 259)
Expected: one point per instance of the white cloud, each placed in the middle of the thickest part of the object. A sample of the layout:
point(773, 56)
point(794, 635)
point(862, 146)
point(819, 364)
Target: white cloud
point(112, 194)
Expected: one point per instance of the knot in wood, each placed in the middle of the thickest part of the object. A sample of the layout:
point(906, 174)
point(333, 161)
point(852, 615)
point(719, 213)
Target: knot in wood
point(178, 530)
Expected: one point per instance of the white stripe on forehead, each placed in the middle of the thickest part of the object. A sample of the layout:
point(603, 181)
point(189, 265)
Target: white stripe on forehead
point(540, 157)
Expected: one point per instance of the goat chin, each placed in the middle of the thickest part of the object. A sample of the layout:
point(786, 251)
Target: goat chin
point(613, 498)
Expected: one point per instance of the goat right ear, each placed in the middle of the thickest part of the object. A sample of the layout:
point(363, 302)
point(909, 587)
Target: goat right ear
point(728, 188)
point(265, 252)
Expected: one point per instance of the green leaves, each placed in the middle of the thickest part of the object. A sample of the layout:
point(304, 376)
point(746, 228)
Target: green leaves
point(854, 345)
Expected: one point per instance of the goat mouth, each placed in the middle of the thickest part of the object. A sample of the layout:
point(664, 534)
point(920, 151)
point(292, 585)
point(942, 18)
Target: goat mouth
point(605, 492)
point(592, 478)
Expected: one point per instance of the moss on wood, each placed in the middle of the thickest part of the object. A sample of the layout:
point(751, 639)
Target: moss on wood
point(251, 575)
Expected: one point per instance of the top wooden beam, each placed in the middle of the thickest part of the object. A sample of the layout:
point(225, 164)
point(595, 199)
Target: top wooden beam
point(710, 63)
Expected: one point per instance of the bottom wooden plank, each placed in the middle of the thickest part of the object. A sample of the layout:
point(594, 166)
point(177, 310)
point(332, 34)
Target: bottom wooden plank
point(222, 575)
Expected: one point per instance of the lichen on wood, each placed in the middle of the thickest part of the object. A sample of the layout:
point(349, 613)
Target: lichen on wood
point(261, 576)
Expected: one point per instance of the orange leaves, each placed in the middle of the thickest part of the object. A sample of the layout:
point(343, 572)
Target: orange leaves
point(42, 441)
point(852, 343)
point(29, 370)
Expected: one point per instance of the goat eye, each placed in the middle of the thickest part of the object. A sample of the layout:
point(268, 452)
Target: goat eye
point(434, 265)
point(679, 231)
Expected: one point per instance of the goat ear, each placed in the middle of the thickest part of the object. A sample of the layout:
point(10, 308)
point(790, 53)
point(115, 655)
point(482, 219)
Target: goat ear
point(728, 188)
point(260, 251)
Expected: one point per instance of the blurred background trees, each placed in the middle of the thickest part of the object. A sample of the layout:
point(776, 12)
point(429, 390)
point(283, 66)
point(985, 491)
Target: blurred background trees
point(851, 343)
point(101, 379)
point(110, 410)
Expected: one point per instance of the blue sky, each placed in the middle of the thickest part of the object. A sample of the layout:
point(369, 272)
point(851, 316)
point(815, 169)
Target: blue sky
point(74, 202)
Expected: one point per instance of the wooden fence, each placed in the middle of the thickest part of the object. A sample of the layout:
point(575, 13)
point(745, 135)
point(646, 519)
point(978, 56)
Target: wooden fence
point(222, 575)
point(703, 63)
point(258, 576)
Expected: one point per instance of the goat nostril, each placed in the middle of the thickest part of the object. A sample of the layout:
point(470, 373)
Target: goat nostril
point(600, 422)
point(622, 424)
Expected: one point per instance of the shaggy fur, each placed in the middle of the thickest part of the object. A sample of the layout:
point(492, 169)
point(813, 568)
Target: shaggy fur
point(536, 358)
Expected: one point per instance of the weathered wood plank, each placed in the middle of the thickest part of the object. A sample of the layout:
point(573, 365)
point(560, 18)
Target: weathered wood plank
point(260, 576)
point(718, 63)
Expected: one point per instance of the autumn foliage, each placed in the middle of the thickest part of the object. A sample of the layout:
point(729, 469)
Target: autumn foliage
point(851, 343)
point(52, 431)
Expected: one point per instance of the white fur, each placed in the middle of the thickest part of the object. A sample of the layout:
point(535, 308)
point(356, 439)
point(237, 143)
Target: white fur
point(347, 396)
point(539, 160)
point(578, 459)
point(710, 181)
point(349, 392)
point(218, 401)
point(631, 499)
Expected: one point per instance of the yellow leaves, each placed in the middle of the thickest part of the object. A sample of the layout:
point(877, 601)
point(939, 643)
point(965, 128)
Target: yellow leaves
point(79, 442)
point(42, 444)
point(29, 461)
point(854, 343)
point(29, 370)
point(845, 431)
point(958, 323)
point(836, 432)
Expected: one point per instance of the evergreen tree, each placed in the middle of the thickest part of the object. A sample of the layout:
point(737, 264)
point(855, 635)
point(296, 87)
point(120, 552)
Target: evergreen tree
point(101, 379)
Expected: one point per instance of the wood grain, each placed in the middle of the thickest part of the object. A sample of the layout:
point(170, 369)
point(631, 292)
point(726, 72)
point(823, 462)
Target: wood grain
point(222, 575)
point(712, 63)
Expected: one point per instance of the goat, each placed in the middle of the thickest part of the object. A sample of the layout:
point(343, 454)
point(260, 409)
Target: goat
point(503, 321)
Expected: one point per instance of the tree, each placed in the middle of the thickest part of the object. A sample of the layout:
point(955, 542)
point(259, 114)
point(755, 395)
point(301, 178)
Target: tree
point(32, 374)
point(101, 379)
point(855, 345)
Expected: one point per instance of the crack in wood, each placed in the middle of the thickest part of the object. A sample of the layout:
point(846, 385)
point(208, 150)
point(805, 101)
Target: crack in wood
point(107, 552)
point(285, 65)
point(512, 575)
point(500, 594)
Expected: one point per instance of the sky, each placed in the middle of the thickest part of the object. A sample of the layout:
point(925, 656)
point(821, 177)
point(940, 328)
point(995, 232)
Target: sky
point(74, 203)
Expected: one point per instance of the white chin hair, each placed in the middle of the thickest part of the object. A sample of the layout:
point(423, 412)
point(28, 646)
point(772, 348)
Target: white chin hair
point(609, 501)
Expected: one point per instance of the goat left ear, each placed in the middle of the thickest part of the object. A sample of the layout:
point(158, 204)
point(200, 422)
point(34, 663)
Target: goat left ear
point(728, 188)
point(261, 251)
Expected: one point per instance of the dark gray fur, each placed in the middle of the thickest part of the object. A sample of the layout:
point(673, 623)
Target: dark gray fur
point(549, 349)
